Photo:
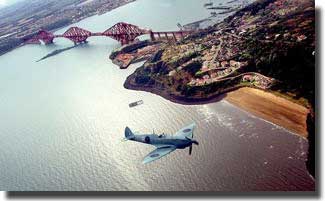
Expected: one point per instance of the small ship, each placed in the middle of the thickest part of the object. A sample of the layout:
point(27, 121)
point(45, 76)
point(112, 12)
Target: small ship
point(136, 103)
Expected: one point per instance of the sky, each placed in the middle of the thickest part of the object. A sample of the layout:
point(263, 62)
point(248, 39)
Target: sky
point(4, 3)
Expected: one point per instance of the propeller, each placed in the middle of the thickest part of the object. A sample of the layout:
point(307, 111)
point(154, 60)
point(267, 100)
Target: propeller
point(193, 142)
point(190, 150)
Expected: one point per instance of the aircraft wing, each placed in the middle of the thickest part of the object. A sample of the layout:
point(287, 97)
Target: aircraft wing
point(158, 153)
point(187, 131)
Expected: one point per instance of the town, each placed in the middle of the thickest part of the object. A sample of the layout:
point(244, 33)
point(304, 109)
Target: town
point(246, 49)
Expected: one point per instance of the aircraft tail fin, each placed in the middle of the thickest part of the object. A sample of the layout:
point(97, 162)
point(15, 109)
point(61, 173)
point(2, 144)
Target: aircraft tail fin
point(128, 133)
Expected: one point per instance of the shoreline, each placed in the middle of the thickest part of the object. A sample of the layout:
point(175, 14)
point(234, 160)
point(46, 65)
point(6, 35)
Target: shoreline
point(179, 99)
point(292, 115)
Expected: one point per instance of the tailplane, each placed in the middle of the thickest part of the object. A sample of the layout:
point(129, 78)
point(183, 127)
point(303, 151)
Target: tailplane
point(128, 133)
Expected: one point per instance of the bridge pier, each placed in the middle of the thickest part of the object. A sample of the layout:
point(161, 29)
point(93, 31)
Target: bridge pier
point(174, 37)
point(47, 41)
point(152, 36)
point(169, 36)
point(80, 42)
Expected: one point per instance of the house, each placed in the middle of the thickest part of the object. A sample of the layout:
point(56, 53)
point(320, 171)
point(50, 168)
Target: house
point(301, 38)
point(224, 64)
point(234, 63)
point(247, 78)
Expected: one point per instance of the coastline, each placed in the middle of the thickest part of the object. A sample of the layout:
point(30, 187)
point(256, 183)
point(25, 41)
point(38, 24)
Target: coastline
point(178, 99)
point(278, 110)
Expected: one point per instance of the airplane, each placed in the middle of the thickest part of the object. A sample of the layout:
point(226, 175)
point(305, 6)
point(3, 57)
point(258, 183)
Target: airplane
point(164, 143)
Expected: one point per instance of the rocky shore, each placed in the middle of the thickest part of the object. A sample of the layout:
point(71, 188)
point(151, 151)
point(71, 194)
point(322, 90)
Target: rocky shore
point(135, 52)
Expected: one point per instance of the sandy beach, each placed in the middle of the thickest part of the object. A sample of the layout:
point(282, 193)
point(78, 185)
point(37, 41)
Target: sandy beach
point(270, 107)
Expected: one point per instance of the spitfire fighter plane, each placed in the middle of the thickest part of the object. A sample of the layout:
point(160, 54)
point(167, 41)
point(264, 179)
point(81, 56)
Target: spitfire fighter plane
point(164, 143)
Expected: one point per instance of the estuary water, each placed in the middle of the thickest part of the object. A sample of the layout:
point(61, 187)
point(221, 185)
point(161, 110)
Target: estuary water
point(62, 120)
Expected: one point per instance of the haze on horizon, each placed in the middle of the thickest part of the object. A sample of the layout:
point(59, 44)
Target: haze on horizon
point(5, 3)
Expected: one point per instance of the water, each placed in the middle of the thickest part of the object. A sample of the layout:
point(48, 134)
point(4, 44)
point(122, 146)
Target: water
point(62, 121)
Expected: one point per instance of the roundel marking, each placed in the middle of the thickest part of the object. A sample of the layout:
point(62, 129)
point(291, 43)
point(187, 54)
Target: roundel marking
point(186, 130)
point(154, 155)
point(147, 139)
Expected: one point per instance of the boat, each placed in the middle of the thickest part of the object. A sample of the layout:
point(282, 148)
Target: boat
point(136, 103)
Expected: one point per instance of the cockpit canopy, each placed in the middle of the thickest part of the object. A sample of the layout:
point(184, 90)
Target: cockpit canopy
point(162, 135)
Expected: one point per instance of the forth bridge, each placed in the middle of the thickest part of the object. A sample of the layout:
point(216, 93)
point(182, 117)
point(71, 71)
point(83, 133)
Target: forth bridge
point(123, 32)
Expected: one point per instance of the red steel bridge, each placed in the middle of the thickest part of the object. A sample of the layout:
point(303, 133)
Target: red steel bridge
point(123, 32)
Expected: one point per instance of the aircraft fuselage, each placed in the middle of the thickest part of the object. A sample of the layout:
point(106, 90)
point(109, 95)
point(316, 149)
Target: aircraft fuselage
point(154, 139)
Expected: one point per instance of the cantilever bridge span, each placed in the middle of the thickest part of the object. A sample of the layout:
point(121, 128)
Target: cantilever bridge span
point(123, 32)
